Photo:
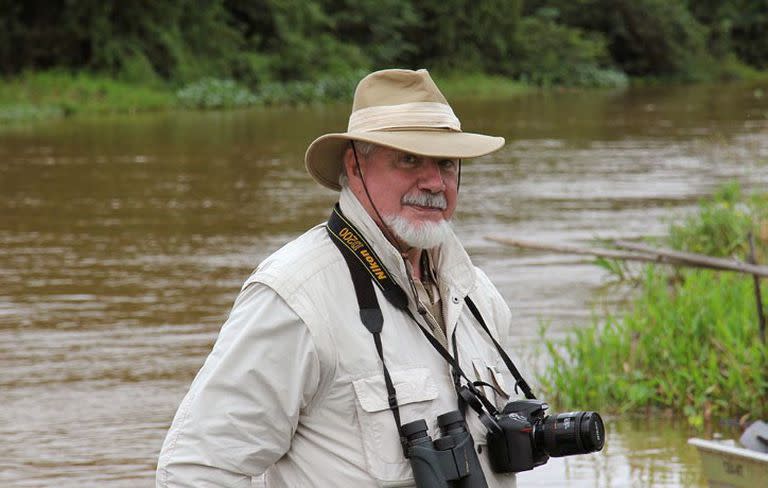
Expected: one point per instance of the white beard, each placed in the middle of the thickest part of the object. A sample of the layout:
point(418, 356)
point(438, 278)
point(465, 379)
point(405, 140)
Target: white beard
point(424, 235)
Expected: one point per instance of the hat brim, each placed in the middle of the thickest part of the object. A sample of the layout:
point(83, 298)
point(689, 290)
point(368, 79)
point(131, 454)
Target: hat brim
point(324, 156)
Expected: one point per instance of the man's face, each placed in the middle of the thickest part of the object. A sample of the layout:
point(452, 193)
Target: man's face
point(417, 189)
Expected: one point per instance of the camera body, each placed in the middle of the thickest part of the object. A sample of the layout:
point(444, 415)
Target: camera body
point(447, 462)
point(527, 437)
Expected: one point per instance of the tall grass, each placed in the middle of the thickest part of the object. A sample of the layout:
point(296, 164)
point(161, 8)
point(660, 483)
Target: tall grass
point(477, 85)
point(56, 93)
point(688, 342)
point(52, 94)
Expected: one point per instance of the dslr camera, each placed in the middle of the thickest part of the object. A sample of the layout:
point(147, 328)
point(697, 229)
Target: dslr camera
point(527, 437)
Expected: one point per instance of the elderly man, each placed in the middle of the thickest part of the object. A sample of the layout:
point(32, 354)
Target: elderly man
point(316, 369)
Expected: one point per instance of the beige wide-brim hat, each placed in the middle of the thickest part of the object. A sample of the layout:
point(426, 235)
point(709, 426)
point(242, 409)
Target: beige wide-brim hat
point(403, 110)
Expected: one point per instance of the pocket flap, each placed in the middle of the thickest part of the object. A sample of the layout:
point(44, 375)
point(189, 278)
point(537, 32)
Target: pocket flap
point(491, 375)
point(411, 385)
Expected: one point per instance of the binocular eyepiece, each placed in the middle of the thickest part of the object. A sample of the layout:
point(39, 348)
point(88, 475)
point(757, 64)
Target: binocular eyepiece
point(447, 462)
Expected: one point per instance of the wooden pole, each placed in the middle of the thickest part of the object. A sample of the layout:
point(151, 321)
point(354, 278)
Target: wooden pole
point(643, 253)
point(758, 292)
point(698, 260)
point(568, 249)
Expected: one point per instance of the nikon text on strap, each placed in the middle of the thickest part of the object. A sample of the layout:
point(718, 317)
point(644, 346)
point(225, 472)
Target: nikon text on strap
point(358, 253)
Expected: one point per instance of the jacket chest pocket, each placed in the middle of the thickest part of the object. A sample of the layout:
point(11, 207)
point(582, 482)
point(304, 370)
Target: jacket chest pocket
point(416, 391)
point(489, 373)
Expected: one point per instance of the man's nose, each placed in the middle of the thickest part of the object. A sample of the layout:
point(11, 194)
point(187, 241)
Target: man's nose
point(431, 178)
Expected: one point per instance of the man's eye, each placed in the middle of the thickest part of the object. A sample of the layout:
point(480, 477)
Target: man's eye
point(447, 164)
point(409, 159)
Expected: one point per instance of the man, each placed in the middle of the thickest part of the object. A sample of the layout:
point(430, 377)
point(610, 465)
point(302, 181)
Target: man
point(295, 386)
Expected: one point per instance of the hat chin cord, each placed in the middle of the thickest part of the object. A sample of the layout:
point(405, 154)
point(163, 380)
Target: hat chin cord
point(390, 235)
point(388, 232)
point(384, 227)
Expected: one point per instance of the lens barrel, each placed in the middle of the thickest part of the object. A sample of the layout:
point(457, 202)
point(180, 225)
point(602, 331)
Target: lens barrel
point(570, 433)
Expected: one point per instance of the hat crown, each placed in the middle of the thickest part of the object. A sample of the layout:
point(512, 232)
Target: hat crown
point(400, 99)
point(396, 87)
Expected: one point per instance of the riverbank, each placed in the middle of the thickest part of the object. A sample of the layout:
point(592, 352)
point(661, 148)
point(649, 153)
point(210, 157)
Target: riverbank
point(688, 343)
point(55, 94)
point(38, 96)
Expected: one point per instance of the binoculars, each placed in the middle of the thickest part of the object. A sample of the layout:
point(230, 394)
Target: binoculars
point(447, 462)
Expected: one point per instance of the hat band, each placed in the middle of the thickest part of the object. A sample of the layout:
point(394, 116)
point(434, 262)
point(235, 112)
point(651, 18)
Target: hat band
point(431, 115)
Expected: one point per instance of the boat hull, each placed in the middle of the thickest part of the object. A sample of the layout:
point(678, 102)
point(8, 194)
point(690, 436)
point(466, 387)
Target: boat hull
point(726, 465)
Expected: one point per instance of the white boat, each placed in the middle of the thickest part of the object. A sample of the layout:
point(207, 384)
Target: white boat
point(725, 464)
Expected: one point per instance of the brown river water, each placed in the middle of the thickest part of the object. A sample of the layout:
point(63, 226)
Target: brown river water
point(124, 241)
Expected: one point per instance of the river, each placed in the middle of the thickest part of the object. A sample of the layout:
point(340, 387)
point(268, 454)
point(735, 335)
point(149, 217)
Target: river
point(124, 241)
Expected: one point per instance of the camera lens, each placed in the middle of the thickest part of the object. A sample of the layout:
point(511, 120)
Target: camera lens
point(570, 433)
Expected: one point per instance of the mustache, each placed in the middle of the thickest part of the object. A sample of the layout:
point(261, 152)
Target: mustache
point(426, 199)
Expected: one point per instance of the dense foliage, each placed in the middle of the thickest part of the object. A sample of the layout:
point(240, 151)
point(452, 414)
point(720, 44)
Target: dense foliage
point(689, 341)
point(266, 41)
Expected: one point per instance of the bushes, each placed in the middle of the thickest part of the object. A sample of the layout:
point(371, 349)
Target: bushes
point(688, 341)
point(575, 42)
point(212, 93)
point(482, 38)
point(548, 53)
point(181, 40)
point(736, 27)
point(657, 38)
point(325, 89)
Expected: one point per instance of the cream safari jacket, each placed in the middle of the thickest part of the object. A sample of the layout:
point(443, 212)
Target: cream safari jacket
point(294, 388)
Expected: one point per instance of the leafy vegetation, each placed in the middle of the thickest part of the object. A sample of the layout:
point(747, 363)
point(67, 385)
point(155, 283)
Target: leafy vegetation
point(721, 226)
point(212, 93)
point(255, 43)
point(132, 55)
point(689, 340)
point(674, 39)
point(554, 54)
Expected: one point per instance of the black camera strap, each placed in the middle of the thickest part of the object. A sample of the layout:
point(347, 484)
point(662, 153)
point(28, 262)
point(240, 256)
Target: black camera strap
point(519, 380)
point(365, 268)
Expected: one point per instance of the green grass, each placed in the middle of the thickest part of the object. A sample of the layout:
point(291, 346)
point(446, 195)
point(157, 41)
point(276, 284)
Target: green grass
point(479, 86)
point(688, 342)
point(53, 94)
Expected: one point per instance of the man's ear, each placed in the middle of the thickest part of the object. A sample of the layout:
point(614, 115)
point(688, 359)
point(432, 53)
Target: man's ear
point(349, 163)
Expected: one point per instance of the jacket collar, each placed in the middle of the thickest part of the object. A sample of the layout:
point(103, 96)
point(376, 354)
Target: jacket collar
point(454, 270)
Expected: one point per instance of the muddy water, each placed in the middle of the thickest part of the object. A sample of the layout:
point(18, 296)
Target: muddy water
point(123, 242)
